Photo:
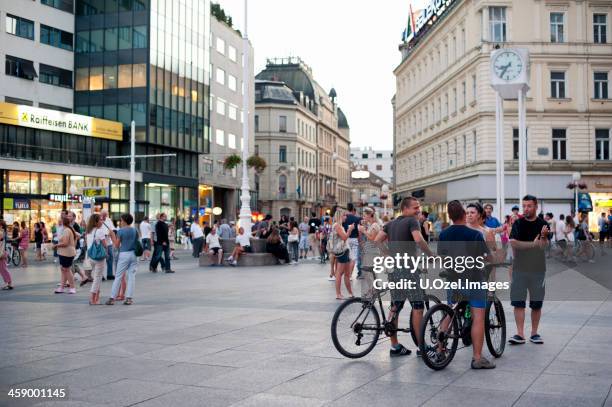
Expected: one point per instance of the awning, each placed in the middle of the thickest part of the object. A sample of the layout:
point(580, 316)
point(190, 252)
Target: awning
point(27, 67)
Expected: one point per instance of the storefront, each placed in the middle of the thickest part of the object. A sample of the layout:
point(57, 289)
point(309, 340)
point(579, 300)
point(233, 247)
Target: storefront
point(175, 201)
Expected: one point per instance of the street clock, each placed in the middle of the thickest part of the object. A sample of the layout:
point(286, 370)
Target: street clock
point(510, 71)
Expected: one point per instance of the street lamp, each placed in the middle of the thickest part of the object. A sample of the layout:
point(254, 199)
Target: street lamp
point(384, 195)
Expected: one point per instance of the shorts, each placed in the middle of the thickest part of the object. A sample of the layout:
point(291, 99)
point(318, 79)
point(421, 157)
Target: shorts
point(602, 236)
point(476, 298)
point(343, 258)
point(215, 250)
point(524, 282)
point(304, 243)
point(65, 261)
point(354, 248)
point(246, 249)
point(146, 244)
point(38, 245)
point(399, 305)
point(562, 244)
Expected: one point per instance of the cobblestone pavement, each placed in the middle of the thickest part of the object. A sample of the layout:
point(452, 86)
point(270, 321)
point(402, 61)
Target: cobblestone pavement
point(261, 337)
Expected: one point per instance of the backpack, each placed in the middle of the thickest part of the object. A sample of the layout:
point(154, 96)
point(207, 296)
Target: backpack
point(335, 244)
point(96, 250)
point(138, 250)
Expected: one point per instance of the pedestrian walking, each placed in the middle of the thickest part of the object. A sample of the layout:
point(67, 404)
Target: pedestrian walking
point(172, 238)
point(125, 241)
point(353, 239)
point(197, 238)
point(111, 255)
point(369, 229)
point(6, 275)
point(38, 240)
point(304, 230)
point(145, 238)
point(95, 239)
point(293, 242)
point(162, 246)
point(314, 223)
point(24, 243)
point(340, 247)
point(66, 251)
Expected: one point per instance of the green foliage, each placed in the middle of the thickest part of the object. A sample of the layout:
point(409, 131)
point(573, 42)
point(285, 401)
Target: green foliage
point(257, 163)
point(217, 11)
point(232, 161)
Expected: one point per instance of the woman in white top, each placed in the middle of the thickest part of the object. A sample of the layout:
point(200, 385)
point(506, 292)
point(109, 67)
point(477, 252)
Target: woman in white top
point(339, 247)
point(475, 217)
point(96, 233)
point(243, 245)
point(293, 242)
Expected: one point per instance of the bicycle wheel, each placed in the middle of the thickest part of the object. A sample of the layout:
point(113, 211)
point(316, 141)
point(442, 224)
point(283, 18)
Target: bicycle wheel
point(355, 328)
point(429, 300)
point(439, 336)
point(495, 327)
point(16, 257)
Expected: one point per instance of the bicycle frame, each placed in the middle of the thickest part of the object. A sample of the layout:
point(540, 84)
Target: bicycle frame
point(388, 330)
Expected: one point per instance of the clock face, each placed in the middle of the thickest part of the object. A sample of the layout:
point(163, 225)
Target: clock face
point(508, 66)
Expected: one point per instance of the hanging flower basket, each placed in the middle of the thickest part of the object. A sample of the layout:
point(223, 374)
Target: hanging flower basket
point(232, 161)
point(257, 163)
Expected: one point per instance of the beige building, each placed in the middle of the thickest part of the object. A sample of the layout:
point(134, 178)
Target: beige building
point(371, 190)
point(445, 108)
point(304, 138)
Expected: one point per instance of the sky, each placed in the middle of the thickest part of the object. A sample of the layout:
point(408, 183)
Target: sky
point(351, 46)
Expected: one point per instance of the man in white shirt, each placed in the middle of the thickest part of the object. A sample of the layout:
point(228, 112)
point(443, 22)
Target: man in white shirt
point(197, 238)
point(108, 227)
point(243, 245)
point(145, 238)
point(213, 247)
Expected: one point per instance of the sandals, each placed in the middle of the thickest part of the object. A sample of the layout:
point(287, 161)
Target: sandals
point(110, 301)
point(7, 287)
point(128, 301)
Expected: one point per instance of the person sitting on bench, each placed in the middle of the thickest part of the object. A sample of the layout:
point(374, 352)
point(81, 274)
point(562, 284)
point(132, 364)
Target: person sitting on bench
point(213, 247)
point(275, 246)
point(243, 245)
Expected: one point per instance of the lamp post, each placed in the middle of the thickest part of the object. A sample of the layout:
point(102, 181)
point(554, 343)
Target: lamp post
point(384, 195)
point(576, 177)
point(245, 196)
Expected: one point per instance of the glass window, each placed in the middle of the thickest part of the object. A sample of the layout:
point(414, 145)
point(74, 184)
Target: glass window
point(232, 112)
point(124, 114)
point(231, 140)
point(220, 76)
point(51, 183)
point(96, 42)
point(256, 123)
point(602, 144)
point(110, 77)
point(559, 144)
point(125, 5)
point(231, 82)
point(125, 76)
point(96, 78)
point(557, 85)
point(20, 27)
point(601, 85)
point(220, 45)
point(82, 41)
point(497, 24)
point(557, 29)
point(219, 137)
point(55, 76)
point(282, 154)
point(18, 182)
point(139, 113)
point(21, 68)
point(64, 5)
point(139, 76)
point(600, 28)
point(282, 124)
point(379, 155)
point(515, 143)
point(139, 39)
point(55, 37)
point(110, 6)
point(110, 39)
point(220, 106)
point(231, 52)
point(110, 112)
point(125, 37)
point(82, 79)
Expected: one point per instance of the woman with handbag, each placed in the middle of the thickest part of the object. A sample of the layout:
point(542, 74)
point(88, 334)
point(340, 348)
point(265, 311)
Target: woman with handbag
point(96, 255)
point(126, 240)
point(340, 249)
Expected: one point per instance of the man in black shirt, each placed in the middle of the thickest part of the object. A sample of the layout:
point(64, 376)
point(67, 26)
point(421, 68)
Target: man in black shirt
point(529, 238)
point(162, 245)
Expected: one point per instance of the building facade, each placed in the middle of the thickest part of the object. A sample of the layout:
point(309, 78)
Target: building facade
point(220, 187)
point(148, 61)
point(379, 162)
point(444, 107)
point(304, 137)
point(368, 189)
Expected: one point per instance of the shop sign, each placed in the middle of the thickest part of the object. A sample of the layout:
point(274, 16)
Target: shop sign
point(430, 12)
point(16, 203)
point(53, 120)
point(604, 203)
point(70, 198)
point(95, 192)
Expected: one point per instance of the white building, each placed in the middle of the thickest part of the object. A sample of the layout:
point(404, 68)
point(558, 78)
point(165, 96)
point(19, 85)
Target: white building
point(36, 46)
point(379, 162)
point(226, 122)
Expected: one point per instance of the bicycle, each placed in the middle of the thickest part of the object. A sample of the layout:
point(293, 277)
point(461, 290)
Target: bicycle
point(363, 327)
point(444, 324)
point(12, 254)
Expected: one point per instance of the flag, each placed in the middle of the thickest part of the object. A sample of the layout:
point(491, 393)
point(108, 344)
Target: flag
point(410, 25)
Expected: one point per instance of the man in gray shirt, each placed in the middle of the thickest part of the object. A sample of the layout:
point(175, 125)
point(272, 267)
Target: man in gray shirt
point(225, 231)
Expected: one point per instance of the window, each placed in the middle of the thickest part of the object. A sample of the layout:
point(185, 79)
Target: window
point(55, 76)
point(231, 52)
point(454, 99)
point(364, 155)
point(220, 76)
point(232, 112)
point(282, 184)
point(96, 76)
point(139, 37)
point(557, 85)
point(474, 145)
point(21, 68)
point(464, 93)
point(139, 75)
point(56, 38)
point(125, 76)
point(602, 144)
point(557, 28)
point(474, 88)
point(515, 143)
point(497, 24)
point(378, 167)
point(82, 41)
point(20, 27)
point(256, 123)
point(231, 82)
point(64, 5)
point(601, 85)
point(282, 124)
point(125, 37)
point(220, 137)
point(220, 45)
point(231, 140)
point(282, 154)
point(559, 144)
point(110, 39)
point(220, 107)
point(379, 155)
point(600, 27)
point(82, 79)
point(110, 77)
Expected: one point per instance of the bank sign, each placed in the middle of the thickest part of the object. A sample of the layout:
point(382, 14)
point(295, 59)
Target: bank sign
point(53, 120)
point(417, 20)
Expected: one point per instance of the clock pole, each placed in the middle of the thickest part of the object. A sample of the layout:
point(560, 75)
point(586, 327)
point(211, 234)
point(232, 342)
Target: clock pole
point(522, 145)
point(499, 173)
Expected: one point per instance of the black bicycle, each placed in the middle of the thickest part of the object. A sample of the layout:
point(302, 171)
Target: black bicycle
point(443, 326)
point(356, 325)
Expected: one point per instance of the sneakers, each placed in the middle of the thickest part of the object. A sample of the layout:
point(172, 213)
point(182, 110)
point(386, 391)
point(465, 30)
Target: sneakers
point(482, 363)
point(234, 263)
point(230, 259)
point(537, 339)
point(517, 340)
point(169, 271)
point(59, 290)
point(401, 351)
point(72, 291)
point(331, 278)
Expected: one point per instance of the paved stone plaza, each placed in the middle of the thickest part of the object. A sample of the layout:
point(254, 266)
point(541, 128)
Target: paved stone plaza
point(261, 337)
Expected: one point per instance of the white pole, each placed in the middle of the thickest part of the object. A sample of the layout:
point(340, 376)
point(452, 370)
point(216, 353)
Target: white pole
point(133, 168)
point(522, 145)
point(502, 175)
point(245, 198)
point(498, 147)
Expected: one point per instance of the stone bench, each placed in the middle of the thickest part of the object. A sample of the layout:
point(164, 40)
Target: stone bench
point(257, 257)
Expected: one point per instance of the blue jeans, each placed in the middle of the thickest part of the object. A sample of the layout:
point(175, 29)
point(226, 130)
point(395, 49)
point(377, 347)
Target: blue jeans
point(109, 262)
point(126, 264)
point(157, 257)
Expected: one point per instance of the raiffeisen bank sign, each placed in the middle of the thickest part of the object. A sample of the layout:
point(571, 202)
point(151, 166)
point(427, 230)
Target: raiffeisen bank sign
point(428, 15)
